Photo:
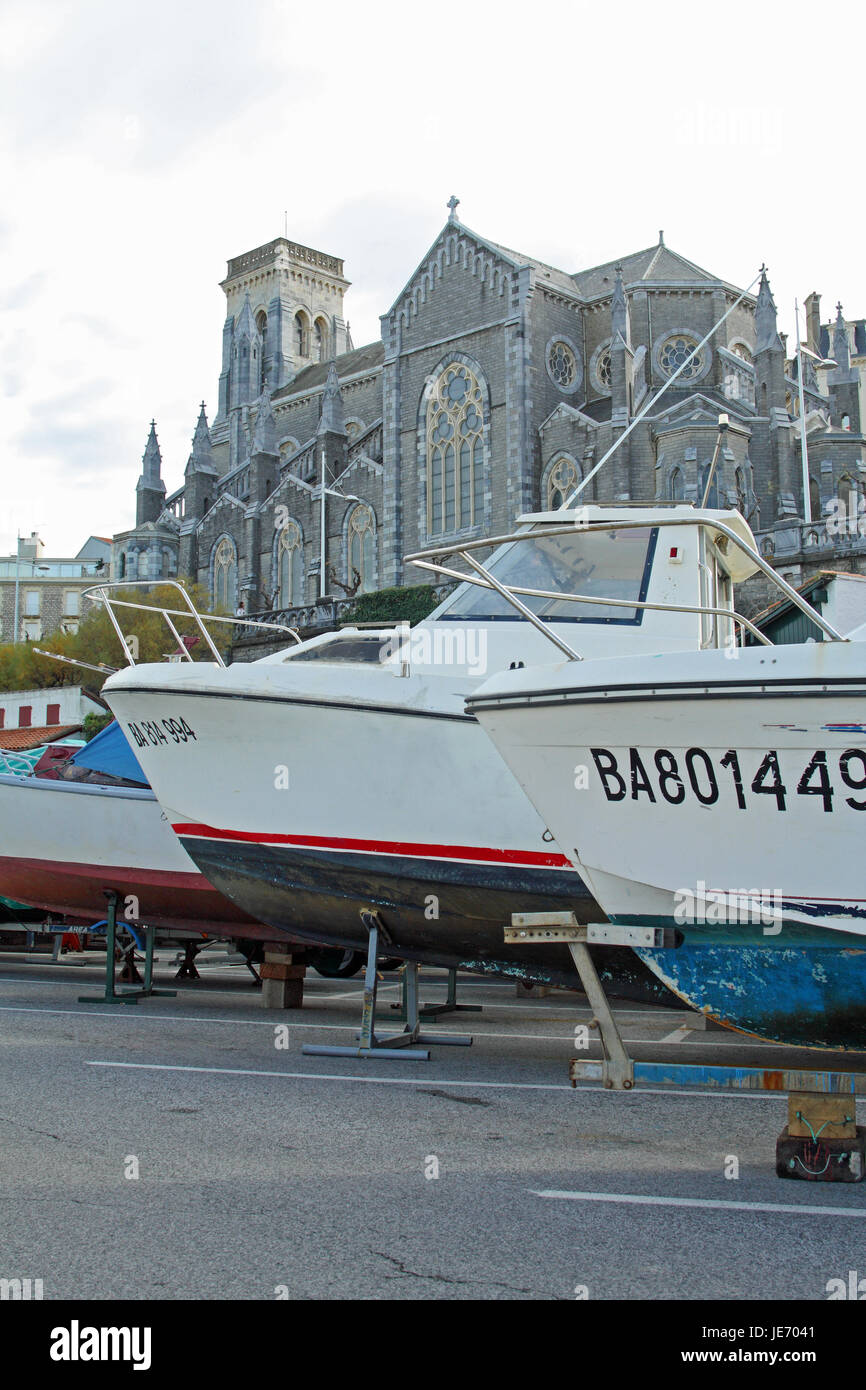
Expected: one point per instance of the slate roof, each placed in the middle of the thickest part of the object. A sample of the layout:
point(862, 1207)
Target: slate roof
point(362, 359)
point(547, 272)
point(653, 263)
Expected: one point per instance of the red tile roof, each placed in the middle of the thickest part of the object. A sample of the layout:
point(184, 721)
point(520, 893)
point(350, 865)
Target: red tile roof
point(19, 740)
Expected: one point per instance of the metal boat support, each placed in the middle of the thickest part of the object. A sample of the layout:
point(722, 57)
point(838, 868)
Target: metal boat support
point(395, 1045)
point(617, 1069)
point(129, 996)
point(821, 1142)
point(436, 1010)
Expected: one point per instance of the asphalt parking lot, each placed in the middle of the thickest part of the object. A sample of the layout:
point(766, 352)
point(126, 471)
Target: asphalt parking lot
point(187, 1148)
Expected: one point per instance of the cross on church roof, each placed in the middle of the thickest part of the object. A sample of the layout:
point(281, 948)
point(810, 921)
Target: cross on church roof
point(452, 206)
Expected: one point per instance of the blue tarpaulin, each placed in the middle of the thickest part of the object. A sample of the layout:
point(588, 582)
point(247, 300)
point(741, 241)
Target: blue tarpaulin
point(109, 752)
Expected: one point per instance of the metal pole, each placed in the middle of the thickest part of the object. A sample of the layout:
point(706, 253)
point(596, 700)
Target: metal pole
point(521, 608)
point(17, 567)
point(804, 453)
point(723, 429)
point(322, 588)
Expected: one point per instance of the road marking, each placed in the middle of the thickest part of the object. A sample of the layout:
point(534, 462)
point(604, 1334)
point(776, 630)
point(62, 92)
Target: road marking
point(426, 1080)
point(678, 1035)
point(420, 1079)
point(705, 1202)
point(324, 1027)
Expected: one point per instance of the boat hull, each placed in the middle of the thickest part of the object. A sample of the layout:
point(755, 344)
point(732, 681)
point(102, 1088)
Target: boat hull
point(307, 811)
point(726, 799)
point(64, 844)
point(292, 889)
point(808, 998)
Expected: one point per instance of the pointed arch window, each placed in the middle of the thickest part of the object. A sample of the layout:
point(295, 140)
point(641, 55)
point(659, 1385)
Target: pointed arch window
point(302, 335)
point(677, 485)
point(290, 565)
point(740, 483)
point(361, 547)
point(561, 482)
point(814, 498)
point(225, 575)
point(455, 451)
point(320, 340)
point(262, 326)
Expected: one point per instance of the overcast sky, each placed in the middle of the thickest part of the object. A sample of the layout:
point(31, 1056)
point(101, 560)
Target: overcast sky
point(144, 142)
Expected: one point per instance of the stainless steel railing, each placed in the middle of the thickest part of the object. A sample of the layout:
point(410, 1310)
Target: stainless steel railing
point(432, 560)
point(99, 593)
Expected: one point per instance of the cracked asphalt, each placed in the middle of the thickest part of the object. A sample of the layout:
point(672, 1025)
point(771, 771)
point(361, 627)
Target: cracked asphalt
point(174, 1150)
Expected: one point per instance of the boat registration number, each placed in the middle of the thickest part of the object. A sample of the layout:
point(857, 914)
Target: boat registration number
point(660, 775)
point(156, 731)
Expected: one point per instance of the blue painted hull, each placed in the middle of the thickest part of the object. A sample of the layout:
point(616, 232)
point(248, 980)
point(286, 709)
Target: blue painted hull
point(806, 997)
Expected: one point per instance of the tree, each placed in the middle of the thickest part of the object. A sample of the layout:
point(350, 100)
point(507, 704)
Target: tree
point(96, 642)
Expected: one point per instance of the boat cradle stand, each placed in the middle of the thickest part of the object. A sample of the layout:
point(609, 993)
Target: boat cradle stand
point(436, 1010)
point(129, 996)
point(821, 1142)
point(395, 1045)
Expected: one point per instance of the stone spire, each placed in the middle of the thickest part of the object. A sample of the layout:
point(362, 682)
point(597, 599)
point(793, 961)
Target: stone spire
point(150, 489)
point(840, 342)
point(152, 458)
point(246, 364)
point(619, 315)
point(201, 457)
point(246, 324)
point(765, 317)
point(332, 405)
point(265, 432)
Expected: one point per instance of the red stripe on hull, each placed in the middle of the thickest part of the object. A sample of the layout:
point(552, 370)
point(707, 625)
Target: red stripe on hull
point(533, 858)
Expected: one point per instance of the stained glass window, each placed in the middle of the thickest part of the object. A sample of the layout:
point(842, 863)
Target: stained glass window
point(675, 351)
point(455, 451)
point(362, 548)
point(290, 565)
point(561, 482)
point(562, 364)
point(225, 575)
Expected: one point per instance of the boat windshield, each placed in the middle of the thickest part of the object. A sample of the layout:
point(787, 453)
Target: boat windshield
point(601, 564)
point(352, 647)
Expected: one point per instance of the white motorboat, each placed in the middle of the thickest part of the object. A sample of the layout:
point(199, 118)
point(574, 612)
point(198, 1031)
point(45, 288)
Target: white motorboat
point(719, 792)
point(65, 842)
point(345, 775)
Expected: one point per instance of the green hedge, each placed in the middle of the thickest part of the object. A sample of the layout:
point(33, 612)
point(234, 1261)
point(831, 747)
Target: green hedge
point(393, 605)
point(94, 724)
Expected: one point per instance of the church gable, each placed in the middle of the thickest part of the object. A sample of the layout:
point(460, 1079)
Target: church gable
point(697, 409)
point(565, 414)
point(481, 276)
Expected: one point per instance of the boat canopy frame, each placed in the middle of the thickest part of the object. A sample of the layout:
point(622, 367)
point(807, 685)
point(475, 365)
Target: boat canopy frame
point(723, 535)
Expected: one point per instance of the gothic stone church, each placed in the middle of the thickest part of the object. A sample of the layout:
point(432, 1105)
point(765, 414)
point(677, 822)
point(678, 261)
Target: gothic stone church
point(497, 383)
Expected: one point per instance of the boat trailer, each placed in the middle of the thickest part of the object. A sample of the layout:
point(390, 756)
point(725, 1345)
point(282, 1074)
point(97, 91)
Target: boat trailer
point(821, 1142)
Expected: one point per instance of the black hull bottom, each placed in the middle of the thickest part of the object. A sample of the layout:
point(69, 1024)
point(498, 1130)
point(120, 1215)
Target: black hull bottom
point(439, 913)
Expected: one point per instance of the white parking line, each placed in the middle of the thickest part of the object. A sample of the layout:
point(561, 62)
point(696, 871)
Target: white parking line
point(678, 1035)
point(420, 1079)
point(705, 1202)
point(385, 1024)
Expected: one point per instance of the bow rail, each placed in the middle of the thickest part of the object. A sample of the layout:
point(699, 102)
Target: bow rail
point(99, 594)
